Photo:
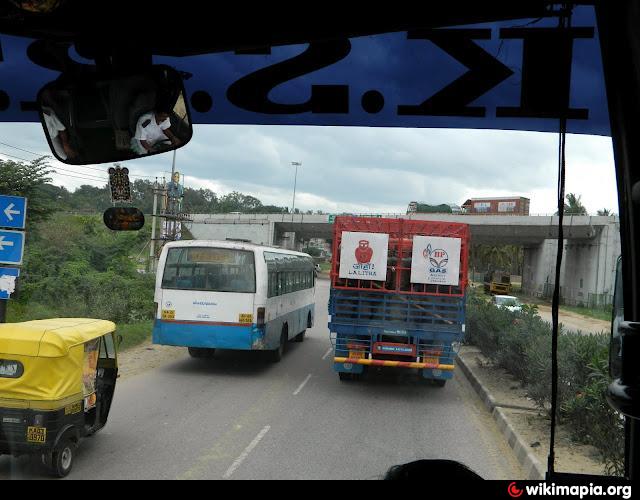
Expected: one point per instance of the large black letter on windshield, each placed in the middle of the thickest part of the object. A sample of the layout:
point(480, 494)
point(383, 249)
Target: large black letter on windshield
point(252, 91)
point(485, 72)
point(546, 72)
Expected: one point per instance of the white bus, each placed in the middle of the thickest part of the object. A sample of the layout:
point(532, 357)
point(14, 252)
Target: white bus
point(231, 295)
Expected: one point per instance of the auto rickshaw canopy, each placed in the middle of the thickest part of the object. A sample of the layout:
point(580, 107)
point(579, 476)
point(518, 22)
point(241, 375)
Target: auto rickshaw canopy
point(52, 355)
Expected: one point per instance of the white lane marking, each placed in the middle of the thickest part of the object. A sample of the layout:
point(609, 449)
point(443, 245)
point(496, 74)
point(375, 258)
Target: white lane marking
point(246, 452)
point(302, 385)
point(327, 354)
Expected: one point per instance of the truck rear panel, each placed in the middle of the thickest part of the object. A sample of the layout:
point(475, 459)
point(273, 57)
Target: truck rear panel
point(393, 322)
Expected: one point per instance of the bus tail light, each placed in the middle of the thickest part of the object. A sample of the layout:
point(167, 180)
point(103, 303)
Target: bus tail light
point(155, 315)
point(260, 316)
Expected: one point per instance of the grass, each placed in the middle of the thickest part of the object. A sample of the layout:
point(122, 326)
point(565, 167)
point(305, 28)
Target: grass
point(133, 334)
point(325, 267)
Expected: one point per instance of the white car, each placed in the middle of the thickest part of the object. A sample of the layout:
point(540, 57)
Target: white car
point(507, 302)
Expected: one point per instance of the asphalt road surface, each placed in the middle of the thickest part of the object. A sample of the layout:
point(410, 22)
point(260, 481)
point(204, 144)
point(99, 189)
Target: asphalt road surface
point(238, 416)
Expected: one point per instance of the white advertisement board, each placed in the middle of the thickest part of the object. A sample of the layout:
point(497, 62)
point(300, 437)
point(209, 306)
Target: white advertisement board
point(435, 260)
point(363, 256)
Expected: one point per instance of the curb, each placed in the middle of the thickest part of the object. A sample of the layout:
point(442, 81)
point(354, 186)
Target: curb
point(534, 469)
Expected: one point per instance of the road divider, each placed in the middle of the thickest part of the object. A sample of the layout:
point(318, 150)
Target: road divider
point(247, 451)
point(297, 391)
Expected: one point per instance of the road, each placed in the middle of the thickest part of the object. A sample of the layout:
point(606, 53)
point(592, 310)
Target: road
point(575, 322)
point(241, 417)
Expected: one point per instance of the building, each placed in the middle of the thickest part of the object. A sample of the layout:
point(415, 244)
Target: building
point(510, 205)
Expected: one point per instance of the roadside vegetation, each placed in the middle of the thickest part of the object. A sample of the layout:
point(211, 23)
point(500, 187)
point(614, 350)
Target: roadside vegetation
point(520, 342)
point(75, 267)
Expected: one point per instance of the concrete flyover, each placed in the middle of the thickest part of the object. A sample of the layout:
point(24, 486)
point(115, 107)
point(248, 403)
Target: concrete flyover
point(592, 243)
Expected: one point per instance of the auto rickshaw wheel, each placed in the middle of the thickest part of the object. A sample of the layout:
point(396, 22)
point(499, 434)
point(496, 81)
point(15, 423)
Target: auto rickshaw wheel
point(62, 457)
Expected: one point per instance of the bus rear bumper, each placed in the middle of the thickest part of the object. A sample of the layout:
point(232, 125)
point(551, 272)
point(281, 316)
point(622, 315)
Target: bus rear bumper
point(208, 335)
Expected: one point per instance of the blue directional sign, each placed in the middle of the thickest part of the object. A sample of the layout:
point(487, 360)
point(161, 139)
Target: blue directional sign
point(13, 212)
point(7, 281)
point(11, 247)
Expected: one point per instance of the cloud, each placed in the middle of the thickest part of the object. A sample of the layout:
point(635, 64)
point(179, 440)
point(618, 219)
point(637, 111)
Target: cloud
point(364, 169)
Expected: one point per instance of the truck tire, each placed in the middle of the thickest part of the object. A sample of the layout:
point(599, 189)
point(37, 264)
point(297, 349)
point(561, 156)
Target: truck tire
point(200, 352)
point(345, 377)
point(440, 382)
point(300, 336)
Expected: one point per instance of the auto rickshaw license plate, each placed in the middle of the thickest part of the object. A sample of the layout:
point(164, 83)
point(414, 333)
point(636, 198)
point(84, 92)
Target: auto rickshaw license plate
point(36, 434)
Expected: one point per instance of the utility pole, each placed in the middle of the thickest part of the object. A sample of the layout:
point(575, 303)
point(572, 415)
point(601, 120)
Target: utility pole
point(295, 181)
point(152, 247)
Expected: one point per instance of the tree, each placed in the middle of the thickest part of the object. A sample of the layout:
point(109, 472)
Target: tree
point(28, 180)
point(604, 212)
point(573, 205)
point(313, 251)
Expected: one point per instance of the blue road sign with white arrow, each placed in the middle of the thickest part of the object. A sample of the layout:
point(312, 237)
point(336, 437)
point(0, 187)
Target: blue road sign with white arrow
point(11, 247)
point(13, 212)
point(8, 277)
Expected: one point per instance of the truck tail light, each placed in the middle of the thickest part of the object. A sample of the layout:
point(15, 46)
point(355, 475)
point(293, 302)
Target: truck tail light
point(260, 316)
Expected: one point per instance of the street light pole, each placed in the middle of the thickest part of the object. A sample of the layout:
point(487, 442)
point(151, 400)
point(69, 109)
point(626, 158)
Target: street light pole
point(295, 181)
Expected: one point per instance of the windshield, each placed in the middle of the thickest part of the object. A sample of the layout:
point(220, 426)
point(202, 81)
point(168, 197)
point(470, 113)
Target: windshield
point(422, 230)
point(209, 270)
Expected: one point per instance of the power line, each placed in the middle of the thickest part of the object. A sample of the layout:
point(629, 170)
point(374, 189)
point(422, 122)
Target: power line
point(81, 166)
point(20, 149)
point(13, 156)
point(88, 176)
point(79, 177)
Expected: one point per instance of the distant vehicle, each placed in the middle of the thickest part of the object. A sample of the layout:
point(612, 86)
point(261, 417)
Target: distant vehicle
point(232, 295)
point(497, 282)
point(507, 302)
point(415, 207)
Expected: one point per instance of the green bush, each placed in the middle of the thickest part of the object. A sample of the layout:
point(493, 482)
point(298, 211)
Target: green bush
point(520, 342)
point(74, 266)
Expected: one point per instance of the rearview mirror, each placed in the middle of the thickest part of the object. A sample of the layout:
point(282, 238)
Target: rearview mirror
point(98, 119)
point(623, 392)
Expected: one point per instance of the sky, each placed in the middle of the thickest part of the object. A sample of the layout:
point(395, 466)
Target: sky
point(360, 169)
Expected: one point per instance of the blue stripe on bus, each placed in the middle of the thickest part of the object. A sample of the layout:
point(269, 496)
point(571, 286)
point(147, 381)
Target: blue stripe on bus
point(212, 336)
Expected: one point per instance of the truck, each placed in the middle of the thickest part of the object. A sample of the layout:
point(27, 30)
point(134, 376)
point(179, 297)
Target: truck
point(397, 296)
point(497, 283)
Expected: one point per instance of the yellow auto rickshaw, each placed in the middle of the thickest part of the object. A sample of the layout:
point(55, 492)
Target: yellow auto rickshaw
point(57, 379)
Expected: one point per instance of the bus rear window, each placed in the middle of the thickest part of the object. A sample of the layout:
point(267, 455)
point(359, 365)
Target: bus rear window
point(210, 269)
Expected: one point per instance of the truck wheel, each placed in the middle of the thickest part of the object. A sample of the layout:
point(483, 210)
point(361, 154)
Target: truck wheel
point(194, 352)
point(62, 458)
point(345, 377)
point(201, 352)
point(440, 382)
point(300, 336)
